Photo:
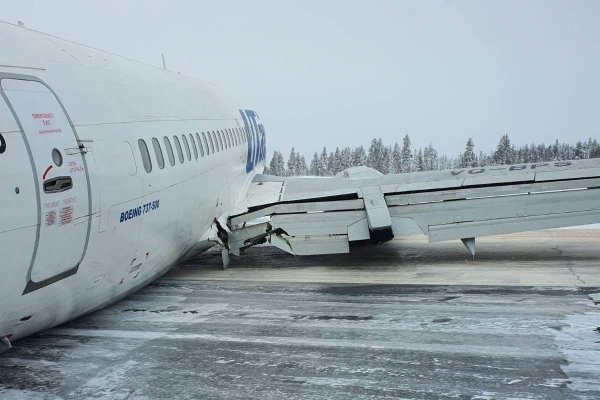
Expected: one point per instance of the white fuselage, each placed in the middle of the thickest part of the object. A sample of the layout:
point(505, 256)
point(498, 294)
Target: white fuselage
point(83, 220)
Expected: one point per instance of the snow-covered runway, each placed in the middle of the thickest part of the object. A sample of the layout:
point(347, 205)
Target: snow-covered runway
point(403, 320)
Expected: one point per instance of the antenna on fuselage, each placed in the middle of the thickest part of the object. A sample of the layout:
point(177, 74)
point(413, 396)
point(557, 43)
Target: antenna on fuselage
point(164, 63)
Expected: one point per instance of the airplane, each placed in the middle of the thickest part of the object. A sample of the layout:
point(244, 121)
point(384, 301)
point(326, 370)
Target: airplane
point(112, 171)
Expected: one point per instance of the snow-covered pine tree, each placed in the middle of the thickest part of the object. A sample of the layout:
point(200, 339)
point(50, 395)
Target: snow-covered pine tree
point(277, 166)
point(386, 159)
point(359, 157)
point(419, 163)
point(430, 158)
point(565, 152)
point(504, 151)
point(586, 148)
point(375, 154)
point(331, 163)
point(396, 159)
point(542, 153)
point(578, 152)
point(346, 158)
point(336, 165)
point(413, 167)
point(301, 168)
point(406, 155)
point(555, 155)
point(444, 163)
point(467, 159)
point(323, 160)
point(291, 163)
point(594, 149)
point(314, 165)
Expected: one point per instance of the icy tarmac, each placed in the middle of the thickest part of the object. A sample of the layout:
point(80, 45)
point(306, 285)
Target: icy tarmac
point(403, 320)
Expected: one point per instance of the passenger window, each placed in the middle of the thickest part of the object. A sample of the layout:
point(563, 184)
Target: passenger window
point(186, 145)
point(145, 155)
point(228, 137)
point(201, 145)
point(225, 139)
point(194, 148)
point(220, 136)
point(158, 152)
point(214, 139)
point(235, 139)
point(169, 150)
point(179, 149)
point(209, 150)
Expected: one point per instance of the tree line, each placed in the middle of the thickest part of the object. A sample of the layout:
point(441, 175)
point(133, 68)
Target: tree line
point(401, 158)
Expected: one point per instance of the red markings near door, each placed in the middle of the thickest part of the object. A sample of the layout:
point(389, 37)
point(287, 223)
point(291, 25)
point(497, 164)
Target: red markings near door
point(46, 171)
point(66, 215)
point(51, 218)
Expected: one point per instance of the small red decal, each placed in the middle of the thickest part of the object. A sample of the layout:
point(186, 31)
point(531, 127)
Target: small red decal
point(46, 171)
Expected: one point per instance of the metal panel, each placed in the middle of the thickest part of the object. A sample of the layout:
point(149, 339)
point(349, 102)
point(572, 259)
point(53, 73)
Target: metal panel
point(422, 185)
point(290, 208)
point(415, 198)
point(328, 223)
point(498, 227)
point(305, 246)
point(359, 230)
point(490, 210)
point(568, 174)
point(472, 180)
point(406, 227)
point(264, 193)
point(378, 214)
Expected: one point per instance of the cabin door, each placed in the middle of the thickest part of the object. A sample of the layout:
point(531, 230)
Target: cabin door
point(61, 179)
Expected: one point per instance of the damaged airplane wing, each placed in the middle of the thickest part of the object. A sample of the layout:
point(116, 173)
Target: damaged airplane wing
point(324, 215)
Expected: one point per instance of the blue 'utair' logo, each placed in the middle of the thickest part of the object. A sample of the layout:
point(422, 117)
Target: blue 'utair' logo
point(255, 137)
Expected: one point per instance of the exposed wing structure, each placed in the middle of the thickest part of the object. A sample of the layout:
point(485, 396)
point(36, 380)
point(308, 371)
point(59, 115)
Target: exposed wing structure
point(315, 215)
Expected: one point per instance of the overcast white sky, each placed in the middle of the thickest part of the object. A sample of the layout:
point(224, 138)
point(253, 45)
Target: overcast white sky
point(337, 73)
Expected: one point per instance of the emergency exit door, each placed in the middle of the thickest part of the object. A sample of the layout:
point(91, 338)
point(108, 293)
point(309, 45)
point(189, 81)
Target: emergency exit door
point(60, 177)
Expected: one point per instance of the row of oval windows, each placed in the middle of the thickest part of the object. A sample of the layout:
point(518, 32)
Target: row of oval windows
point(211, 142)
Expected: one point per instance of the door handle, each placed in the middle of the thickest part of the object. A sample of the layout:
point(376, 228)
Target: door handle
point(59, 184)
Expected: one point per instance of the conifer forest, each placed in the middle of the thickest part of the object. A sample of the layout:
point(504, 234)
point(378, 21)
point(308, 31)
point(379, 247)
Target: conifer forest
point(402, 157)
